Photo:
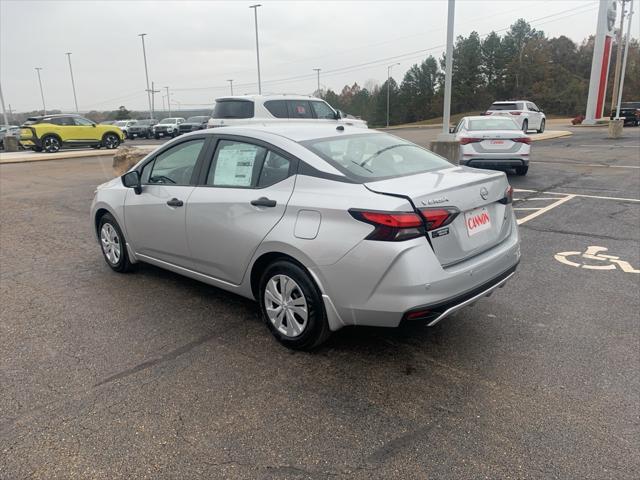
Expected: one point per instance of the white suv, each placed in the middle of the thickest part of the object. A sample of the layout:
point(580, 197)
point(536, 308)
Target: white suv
point(524, 113)
point(248, 109)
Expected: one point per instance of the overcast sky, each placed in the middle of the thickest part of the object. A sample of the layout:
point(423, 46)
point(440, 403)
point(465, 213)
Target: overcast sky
point(195, 46)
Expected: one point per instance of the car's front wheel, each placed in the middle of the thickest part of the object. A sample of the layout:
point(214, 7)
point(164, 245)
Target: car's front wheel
point(541, 129)
point(51, 144)
point(114, 247)
point(110, 141)
point(292, 306)
point(522, 170)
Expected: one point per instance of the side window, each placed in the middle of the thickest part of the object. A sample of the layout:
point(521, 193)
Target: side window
point(63, 121)
point(174, 166)
point(535, 107)
point(459, 126)
point(323, 111)
point(82, 122)
point(299, 109)
point(54, 121)
point(277, 108)
point(274, 170)
point(236, 164)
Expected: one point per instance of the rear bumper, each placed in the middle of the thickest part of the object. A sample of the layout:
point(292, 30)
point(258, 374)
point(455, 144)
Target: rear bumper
point(494, 162)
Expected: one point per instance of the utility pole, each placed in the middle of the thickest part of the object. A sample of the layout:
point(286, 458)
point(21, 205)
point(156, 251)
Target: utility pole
point(231, 85)
point(624, 60)
point(448, 69)
point(255, 14)
point(168, 101)
point(616, 77)
point(10, 112)
point(146, 72)
point(388, 82)
point(153, 100)
point(4, 111)
point(44, 107)
point(73, 83)
point(317, 70)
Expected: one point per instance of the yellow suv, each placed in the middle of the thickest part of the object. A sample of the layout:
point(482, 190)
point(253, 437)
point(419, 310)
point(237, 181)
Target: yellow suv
point(52, 132)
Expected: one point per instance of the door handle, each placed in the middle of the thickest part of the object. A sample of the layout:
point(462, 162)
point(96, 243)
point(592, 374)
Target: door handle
point(174, 202)
point(263, 202)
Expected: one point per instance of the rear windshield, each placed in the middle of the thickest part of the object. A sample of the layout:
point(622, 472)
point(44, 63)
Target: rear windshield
point(493, 123)
point(372, 157)
point(506, 106)
point(31, 121)
point(233, 109)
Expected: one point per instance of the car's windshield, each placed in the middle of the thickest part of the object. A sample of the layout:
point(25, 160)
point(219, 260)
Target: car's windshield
point(490, 123)
point(166, 121)
point(375, 156)
point(197, 119)
point(121, 123)
point(233, 109)
point(144, 122)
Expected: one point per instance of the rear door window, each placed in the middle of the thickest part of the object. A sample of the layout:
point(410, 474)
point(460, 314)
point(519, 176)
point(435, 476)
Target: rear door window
point(233, 109)
point(299, 109)
point(277, 108)
point(236, 164)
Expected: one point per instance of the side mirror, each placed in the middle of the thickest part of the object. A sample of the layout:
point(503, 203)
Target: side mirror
point(94, 125)
point(132, 180)
point(452, 129)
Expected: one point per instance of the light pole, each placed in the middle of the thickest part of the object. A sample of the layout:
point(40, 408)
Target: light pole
point(624, 61)
point(168, 100)
point(448, 69)
point(44, 107)
point(4, 111)
point(389, 81)
point(73, 83)
point(255, 15)
point(153, 100)
point(146, 72)
point(317, 70)
point(231, 85)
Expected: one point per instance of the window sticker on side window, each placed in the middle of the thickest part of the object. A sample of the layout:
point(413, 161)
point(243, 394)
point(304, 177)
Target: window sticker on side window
point(234, 165)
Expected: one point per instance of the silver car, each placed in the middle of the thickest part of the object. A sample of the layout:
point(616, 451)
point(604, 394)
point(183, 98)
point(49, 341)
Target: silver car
point(324, 226)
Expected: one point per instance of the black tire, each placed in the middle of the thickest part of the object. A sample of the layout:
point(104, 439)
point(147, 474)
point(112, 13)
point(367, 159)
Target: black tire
point(174, 134)
point(157, 137)
point(122, 264)
point(522, 170)
point(36, 149)
point(51, 144)
point(126, 135)
point(110, 141)
point(525, 126)
point(542, 125)
point(316, 329)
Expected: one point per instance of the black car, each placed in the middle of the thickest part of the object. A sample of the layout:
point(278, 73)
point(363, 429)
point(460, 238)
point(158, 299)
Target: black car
point(630, 111)
point(142, 129)
point(193, 123)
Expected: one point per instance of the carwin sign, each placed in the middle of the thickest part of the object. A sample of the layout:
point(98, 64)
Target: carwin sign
point(601, 59)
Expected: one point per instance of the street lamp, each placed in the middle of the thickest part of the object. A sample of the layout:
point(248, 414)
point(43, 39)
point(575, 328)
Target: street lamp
point(231, 85)
point(73, 83)
point(255, 14)
point(317, 70)
point(388, 81)
point(146, 72)
point(44, 107)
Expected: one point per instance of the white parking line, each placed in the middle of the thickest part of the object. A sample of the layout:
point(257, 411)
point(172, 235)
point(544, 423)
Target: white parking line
point(611, 146)
point(578, 164)
point(545, 209)
point(599, 197)
point(525, 208)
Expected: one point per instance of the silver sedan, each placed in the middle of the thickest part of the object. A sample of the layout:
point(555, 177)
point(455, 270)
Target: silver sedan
point(324, 226)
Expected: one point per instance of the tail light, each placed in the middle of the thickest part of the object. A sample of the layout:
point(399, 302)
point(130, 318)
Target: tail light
point(508, 196)
point(438, 217)
point(526, 140)
point(391, 226)
point(466, 141)
point(515, 113)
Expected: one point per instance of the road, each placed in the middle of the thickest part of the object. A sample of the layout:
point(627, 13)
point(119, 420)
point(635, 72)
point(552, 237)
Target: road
point(152, 375)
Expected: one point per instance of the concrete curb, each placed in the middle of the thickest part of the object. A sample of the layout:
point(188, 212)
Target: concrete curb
point(550, 134)
point(25, 157)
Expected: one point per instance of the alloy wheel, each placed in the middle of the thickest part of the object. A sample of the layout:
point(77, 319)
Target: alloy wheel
point(286, 306)
point(51, 144)
point(110, 242)
point(111, 141)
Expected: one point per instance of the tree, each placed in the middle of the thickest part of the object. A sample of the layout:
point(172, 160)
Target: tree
point(123, 113)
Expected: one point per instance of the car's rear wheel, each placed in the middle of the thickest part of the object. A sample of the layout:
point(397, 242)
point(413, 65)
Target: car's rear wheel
point(51, 144)
point(522, 170)
point(126, 135)
point(112, 242)
point(110, 141)
point(292, 306)
point(541, 129)
point(525, 126)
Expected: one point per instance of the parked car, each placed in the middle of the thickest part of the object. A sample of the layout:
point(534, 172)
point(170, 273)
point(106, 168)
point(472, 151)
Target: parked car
point(248, 109)
point(52, 132)
point(493, 142)
point(124, 126)
point(630, 111)
point(167, 127)
point(194, 123)
point(324, 226)
point(526, 114)
point(143, 128)
point(8, 130)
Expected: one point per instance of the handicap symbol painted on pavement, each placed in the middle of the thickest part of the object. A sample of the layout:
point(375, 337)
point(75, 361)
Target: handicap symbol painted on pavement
point(607, 262)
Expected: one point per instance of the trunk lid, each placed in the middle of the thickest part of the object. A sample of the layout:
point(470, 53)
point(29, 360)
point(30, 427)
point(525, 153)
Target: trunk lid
point(482, 222)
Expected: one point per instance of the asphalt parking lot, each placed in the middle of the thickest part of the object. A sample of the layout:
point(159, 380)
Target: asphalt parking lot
point(152, 375)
